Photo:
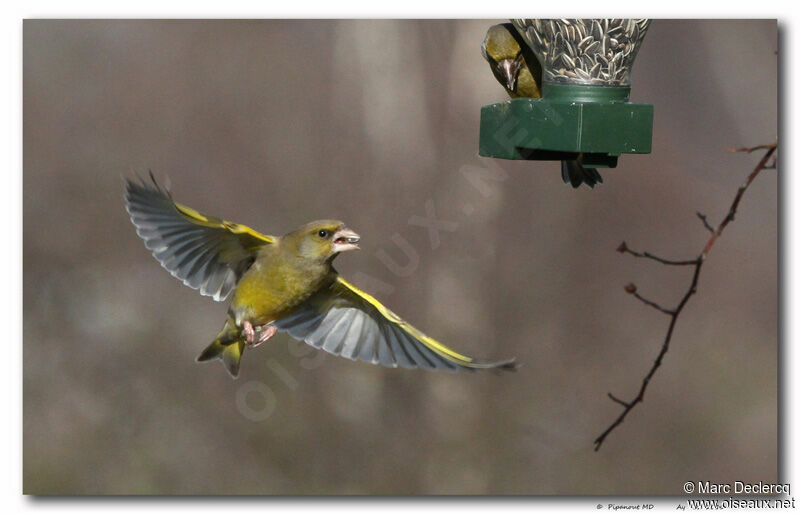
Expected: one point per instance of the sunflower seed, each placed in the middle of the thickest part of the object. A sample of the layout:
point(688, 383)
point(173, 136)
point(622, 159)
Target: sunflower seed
point(595, 51)
point(597, 30)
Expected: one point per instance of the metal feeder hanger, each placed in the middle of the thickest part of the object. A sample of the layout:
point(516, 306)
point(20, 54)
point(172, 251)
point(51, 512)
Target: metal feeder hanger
point(584, 109)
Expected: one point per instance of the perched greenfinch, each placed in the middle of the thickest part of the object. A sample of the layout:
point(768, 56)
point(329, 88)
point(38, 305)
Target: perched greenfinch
point(282, 283)
point(516, 68)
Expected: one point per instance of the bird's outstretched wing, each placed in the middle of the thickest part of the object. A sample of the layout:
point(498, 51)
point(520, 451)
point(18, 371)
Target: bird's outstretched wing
point(345, 321)
point(206, 253)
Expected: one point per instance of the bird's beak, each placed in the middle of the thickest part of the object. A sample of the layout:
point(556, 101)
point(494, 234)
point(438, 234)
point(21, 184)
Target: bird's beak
point(510, 70)
point(345, 240)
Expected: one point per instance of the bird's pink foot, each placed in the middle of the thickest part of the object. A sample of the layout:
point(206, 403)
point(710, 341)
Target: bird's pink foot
point(267, 331)
point(249, 332)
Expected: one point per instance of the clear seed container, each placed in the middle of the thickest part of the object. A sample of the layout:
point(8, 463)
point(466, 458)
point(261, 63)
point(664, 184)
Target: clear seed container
point(597, 52)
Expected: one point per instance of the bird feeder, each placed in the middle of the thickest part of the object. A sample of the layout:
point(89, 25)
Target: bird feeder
point(584, 109)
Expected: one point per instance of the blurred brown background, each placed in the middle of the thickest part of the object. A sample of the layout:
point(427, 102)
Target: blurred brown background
point(275, 123)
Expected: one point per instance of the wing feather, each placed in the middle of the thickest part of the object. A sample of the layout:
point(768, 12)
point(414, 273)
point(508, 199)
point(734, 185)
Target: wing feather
point(205, 253)
point(345, 321)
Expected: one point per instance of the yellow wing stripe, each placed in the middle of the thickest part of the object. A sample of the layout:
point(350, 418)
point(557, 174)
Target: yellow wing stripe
point(430, 342)
point(200, 219)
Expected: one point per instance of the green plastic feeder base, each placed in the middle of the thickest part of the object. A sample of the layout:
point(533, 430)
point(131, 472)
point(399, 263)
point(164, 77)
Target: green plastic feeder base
point(596, 121)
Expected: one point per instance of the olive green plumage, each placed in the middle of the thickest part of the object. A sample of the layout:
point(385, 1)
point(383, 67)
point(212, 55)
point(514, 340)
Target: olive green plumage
point(286, 273)
point(285, 283)
point(512, 62)
point(516, 68)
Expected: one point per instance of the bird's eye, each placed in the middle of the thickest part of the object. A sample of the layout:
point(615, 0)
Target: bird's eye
point(323, 234)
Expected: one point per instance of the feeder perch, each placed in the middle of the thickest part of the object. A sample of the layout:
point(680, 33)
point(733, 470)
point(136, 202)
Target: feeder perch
point(584, 109)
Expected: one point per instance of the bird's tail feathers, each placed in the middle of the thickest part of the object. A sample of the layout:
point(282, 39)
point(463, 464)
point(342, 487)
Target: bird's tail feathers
point(572, 172)
point(228, 346)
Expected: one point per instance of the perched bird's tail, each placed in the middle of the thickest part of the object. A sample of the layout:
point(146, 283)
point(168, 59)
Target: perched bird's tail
point(228, 346)
point(575, 174)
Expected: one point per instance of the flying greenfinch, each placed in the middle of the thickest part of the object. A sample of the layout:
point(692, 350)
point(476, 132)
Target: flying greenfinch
point(516, 68)
point(284, 283)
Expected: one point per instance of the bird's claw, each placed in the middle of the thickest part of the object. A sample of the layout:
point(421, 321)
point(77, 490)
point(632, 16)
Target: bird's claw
point(264, 333)
point(249, 332)
point(267, 331)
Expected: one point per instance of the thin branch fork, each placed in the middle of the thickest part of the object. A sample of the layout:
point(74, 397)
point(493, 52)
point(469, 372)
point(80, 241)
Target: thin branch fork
point(705, 222)
point(697, 263)
point(751, 149)
point(623, 248)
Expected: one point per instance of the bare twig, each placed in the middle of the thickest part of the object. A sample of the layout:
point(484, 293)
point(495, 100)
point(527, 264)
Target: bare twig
point(751, 149)
point(705, 222)
point(615, 399)
point(698, 265)
point(623, 248)
point(653, 304)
